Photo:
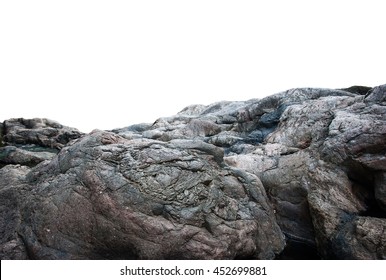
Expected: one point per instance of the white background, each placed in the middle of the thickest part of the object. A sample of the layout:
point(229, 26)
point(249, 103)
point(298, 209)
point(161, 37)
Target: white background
point(108, 64)
point(275, 270)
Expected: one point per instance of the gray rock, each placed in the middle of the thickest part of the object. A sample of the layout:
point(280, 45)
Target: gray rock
point(358, 89)
point(362, 239)
point(12, 193)
point(108, 197)
point(300, 174)
point(1, 134)
point(376, 95)
point(14, 155)
point(318, 167)
point(42, 132)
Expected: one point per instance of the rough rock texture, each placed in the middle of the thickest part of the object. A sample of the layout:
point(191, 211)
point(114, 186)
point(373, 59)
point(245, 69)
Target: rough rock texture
point(31, 141)
point(14, 155)
point(300, 174)
point(40, 132)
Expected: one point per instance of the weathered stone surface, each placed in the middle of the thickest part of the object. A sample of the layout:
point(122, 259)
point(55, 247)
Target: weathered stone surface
point(300, 174)
point(1, 134)
point(380, 189)
point(14, 155)
point(41, 132)
point(362, 239)
point(108, 197)
point(12, 189)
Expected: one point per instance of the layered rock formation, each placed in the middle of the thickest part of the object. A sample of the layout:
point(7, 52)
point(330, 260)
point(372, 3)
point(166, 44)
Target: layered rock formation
point(300, 174)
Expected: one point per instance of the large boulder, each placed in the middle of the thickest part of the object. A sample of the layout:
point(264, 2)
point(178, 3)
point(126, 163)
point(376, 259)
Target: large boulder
point(108, 197)
point(322, 168)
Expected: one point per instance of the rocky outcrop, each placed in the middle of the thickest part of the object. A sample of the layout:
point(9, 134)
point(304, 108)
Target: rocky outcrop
point(40, 132)
point(14, 155)
point(31, 141)
point(300, 174)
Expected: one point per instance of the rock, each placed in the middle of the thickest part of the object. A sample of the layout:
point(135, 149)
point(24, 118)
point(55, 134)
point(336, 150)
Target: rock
point(380, 190)
point(317, 177)
point(358, 89)
point(1, 134)
point(41, 132)
point(14, 155)
point(376, 95)
point(296, 175)
point(362, 239)
point(12, 189)
point(333, 205)
point(104, 194)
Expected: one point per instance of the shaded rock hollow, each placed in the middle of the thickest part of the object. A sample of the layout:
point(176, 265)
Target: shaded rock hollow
point(296, 175)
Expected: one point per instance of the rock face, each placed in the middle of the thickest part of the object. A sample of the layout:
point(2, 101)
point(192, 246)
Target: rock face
point(300, 174)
